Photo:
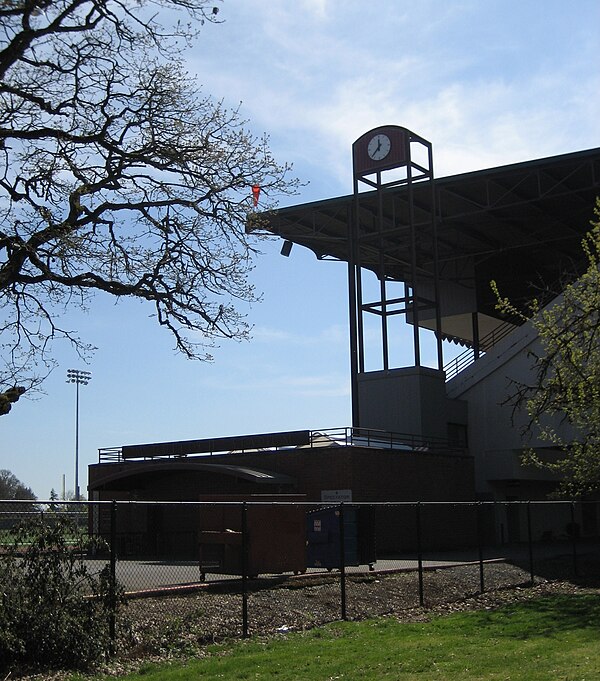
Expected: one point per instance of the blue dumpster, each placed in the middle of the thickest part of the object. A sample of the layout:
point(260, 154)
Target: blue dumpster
point(323, 537)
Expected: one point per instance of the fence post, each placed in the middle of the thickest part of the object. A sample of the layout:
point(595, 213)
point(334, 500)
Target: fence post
point(112, 622)
point(480, 545)
point(574, 532)
point(244, 570)
point(342, 562)
point(419, 553)
point(530, 542)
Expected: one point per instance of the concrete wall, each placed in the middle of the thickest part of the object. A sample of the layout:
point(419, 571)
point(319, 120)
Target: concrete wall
point(495, 432)
point(409, 400)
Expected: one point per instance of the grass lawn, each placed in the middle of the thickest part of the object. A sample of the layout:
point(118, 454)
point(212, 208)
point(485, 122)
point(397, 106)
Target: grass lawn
point(554, 638)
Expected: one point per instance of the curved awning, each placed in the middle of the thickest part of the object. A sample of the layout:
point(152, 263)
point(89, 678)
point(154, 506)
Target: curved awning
point(113, 472)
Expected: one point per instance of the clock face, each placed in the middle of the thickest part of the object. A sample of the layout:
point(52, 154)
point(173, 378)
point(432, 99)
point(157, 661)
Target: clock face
point(379, 147)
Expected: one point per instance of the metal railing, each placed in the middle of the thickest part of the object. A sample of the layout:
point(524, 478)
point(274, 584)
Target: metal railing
point(380, 439)
point(347, 436)
point(466, 358)
point(544, 297)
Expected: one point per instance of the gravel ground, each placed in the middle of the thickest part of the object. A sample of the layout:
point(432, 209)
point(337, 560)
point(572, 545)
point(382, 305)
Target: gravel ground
point(181, 626)
point(303, 603)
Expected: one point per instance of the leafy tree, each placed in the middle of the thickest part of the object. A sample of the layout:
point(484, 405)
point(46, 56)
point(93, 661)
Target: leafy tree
point(56, 611)
point(12, 488)
point(563, 399)
point(118, 175)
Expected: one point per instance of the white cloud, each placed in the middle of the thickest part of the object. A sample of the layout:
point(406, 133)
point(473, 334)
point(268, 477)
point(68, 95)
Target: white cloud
point(335, 334)
point(314, 78)
point(316, 8)
point(275, 382)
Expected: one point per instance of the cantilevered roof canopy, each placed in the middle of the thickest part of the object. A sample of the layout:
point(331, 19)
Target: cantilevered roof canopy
point(519, 224)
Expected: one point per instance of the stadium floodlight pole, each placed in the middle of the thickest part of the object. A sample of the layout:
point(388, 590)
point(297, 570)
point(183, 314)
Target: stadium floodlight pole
point(79, 378)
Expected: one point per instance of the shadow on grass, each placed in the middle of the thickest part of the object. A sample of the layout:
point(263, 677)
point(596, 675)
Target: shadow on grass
point(583, 569)
point(546, 616)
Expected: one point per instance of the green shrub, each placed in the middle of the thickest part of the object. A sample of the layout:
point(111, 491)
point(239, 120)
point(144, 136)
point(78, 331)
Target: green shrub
point(55, 611)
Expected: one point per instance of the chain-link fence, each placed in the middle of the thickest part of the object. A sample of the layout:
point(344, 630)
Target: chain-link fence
point(204, 571)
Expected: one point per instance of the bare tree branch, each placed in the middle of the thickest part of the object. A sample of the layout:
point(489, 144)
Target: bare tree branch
point(118, 175)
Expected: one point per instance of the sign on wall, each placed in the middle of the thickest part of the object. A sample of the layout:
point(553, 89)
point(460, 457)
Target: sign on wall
point(336, 495)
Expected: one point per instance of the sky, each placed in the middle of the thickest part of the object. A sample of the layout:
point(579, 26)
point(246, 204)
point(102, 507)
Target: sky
point(487, 82)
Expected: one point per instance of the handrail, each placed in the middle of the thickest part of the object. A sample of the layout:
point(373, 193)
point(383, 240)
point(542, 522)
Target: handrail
point(466, 358)
point(370, 437)
point(326, 437)
point(110, 454)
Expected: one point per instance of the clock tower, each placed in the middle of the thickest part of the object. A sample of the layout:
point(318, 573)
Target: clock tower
point(380, 149)
point(379, 242)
